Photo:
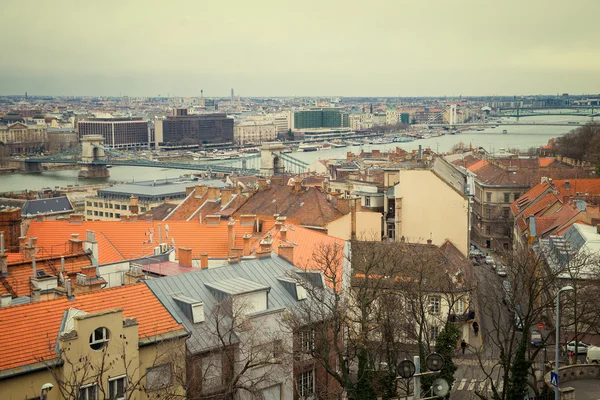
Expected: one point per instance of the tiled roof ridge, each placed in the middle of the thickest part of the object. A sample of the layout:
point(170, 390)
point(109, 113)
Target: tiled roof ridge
point(112, 245)
point(179, 205)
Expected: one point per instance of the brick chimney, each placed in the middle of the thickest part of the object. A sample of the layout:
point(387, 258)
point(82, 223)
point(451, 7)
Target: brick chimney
point(134, 207)
point(75, 245)
point(266, 243)
point(283, 234)
point(287, 252)
point(343, 205)
point(230, 235)
point(297, 186)
point(3, 265)
point(278, 226)
point(23, 247)
point(133, 217)
point(263, 254)
point(185, 256)
point(226, 195)
point(234, 259)
point(200, 191)
point(203, 260)
point(213, 193)
point(123, 218)
point(75, 219)
point(262, 183)
point(247, 238)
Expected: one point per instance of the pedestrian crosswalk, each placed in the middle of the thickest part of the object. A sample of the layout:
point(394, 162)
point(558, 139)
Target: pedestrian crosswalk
point(472, 385)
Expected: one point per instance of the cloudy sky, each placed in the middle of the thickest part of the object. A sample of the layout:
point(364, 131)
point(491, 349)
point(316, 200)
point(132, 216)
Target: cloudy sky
point(302, 47)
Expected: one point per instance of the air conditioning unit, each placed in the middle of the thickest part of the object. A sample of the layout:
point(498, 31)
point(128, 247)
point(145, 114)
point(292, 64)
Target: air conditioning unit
point(163, 248)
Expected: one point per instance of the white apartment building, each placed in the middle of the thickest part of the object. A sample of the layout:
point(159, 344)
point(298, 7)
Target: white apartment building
point(254, 132)
point(392, 117)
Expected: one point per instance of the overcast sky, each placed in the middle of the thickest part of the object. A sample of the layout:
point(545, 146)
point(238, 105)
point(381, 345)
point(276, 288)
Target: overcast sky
point(301, 48)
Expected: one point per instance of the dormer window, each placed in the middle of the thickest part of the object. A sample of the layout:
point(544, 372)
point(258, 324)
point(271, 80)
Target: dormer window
point(99, 338)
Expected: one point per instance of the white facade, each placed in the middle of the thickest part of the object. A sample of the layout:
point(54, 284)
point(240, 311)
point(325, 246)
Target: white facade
point(254, 132)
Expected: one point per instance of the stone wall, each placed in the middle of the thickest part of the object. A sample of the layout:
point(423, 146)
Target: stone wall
point(572, 373)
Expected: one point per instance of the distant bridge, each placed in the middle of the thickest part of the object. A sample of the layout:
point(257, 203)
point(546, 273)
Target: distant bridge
point(531, 112)
point(93, 158)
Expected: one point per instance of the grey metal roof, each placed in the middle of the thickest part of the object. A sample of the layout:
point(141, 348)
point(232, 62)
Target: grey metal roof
point(156, 188)
point(256, 273)
point(54, 205)
point(236, 285)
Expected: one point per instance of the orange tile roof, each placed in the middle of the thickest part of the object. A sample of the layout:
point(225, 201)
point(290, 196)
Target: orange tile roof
point(307, 243)
point(18, 281)
point(477, 165)
point(545, 161)
point(28, 332)
point(119, 241)
point(528, 197)
point(588, 187)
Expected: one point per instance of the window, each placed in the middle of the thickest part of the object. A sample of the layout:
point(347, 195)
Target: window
point(460, 306)
point(89, 212)
point(434, 304)
point(391, 231)
point(488, 196)
point(117, 206)
point(487, 229)
point(123, 207)
point(488, 213)
point(435, 332)
point(517, 195)
point(110, 205)
point(89, 392)
point(99, 338)
point(96, 213)
point(507, 197)
point(117, 215)
point(105, 205)
point(307, 340)
point(116, 388)
point(306, 384)
point(506, 212)
point(158, 377)
point(102, 213)
point(212, 372)
point(367, 201)
point(100, 205)
point(88, 203)
point(95, 204)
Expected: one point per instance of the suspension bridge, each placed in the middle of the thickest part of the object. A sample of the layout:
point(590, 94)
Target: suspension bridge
point(93, 158)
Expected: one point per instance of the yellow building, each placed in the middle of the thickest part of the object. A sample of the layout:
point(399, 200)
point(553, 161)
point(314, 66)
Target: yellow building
point(115, 343)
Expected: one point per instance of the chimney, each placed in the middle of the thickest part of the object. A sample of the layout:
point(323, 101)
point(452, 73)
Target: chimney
point(133, 217)
point(69, 288)
point(283, 234)
point(287, 252)
point(230, 235)
point(75, 245)
point(262, 254)
point(75, 219)
point(1, 243)
point(247, 238)
point(3, 265)
point(429, 241)
point(185, 256)
point(203, 260)
point(189, 190)
point(148, 218)
point(297, 186)
point(23, 246)
point(91, 244)
point(233, 259)
point(123, 218)
point(266, 243)
point(262, 183)
point(35, 294)
point(89, 272)
point(213, 193)
point(134, 208)
point(343, 205)
point(278, 226)
point(226, 195)
point(200, 191)
point(62, 264)
point(5, 300)
point(353, 219)
point(33, 264)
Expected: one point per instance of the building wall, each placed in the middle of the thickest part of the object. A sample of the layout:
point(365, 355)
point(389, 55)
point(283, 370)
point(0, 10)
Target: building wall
point(98, 208)
point(427, 207)
point(118, 133)
point(197, 129)
point(254, 133)
point(368, 226)
point(24, 138)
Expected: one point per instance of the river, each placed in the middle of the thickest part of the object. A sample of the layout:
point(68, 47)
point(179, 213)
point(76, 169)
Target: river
point(521, 137)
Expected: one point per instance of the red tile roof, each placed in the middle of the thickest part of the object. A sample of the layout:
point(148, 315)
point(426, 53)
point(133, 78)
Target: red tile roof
point(546, 161)
point(587, 187)
point(28, 332)
point(119, 241)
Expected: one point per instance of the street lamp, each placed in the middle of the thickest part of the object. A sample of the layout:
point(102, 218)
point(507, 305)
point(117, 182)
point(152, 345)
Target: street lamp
point(46, 387)
point(556, 339)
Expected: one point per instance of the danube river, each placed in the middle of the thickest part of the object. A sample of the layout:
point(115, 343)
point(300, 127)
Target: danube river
point(492, 139)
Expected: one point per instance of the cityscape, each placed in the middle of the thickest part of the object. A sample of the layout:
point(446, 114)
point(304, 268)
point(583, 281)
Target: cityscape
point(294, 201)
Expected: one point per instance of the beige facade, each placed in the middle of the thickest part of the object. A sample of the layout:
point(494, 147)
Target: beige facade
point(149, 370)
point(21, 137)
point(99, 208)
point(425, 207)
point(254, 132)
point(368, 226)
point(392, 117)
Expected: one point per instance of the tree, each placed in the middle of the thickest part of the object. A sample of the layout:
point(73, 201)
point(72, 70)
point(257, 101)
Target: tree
point(582, 143)
point(446, 347)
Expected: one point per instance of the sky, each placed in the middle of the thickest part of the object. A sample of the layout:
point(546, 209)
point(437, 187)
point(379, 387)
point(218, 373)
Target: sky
point(299, 48)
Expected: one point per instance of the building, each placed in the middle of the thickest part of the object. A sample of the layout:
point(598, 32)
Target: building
point(321, 118)
point(182, 128)
point(117, 132)
point(254, 132)
point(259, 291)
point(422, 206)
point(115, 201)
point(20, 136)
point(111, 343)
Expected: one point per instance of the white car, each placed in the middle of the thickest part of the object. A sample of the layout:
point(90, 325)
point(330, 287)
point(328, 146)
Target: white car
point(489, 260)
point(501, 270)
point(582, 348)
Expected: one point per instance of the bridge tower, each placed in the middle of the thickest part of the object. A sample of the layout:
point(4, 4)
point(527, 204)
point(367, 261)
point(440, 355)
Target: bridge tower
point(270, 163)
point(453, 114)
point(90, 152)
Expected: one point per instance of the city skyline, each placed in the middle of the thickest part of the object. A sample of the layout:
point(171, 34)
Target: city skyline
point(326, 48)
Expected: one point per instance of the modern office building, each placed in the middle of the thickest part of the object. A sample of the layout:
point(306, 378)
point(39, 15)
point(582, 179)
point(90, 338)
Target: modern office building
point(117, 132)
point(321, 118)
point(182, 128)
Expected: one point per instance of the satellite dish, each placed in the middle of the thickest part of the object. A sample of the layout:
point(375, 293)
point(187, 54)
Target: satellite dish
point(440, 387)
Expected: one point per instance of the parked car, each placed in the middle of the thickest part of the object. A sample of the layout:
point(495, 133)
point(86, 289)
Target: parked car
point(474, 252)
point(489, 260)
point(501, 270)
point(593, 355)
point(507, 287)
point(582, 348)
point(536, 339)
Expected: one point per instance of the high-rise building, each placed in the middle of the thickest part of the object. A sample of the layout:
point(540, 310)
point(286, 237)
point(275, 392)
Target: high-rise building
point(321, 118)
point(117, 132)
point(184, 129)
